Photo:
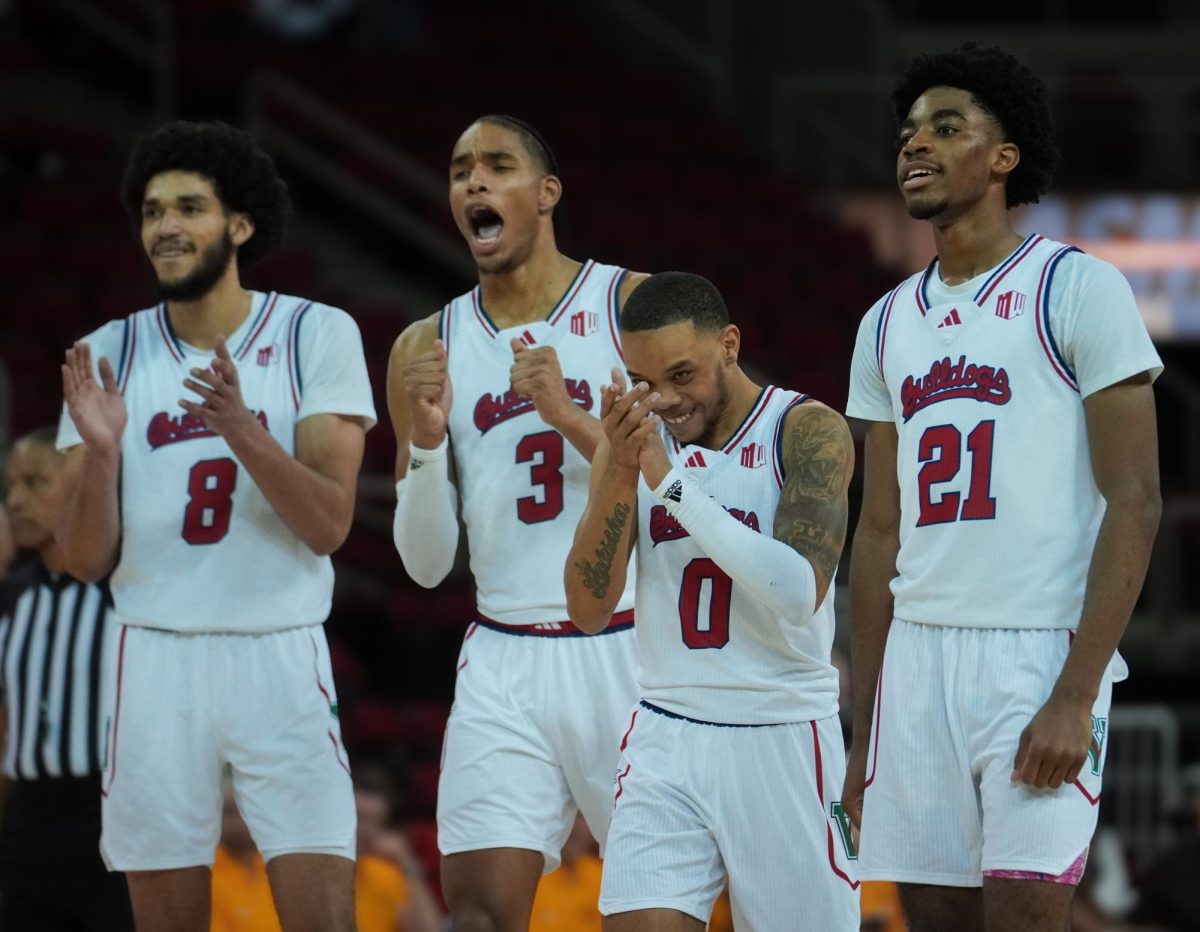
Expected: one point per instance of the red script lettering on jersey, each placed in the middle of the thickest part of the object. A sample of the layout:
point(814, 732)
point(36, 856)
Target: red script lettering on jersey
point(948, 380)
point(664, 526)
point(491, 410)
point(164, 429)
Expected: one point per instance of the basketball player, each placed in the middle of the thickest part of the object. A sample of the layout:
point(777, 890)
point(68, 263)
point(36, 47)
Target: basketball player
point(213, 468)
point(508, 377)
point(733, 759)
point(1011, 497)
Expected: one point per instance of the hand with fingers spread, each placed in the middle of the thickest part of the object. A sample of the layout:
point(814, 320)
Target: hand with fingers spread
point(223, 410)
point(1054, 746)
point(536, 374)
point(430, 394)
point(97, 408)
point(628, 419)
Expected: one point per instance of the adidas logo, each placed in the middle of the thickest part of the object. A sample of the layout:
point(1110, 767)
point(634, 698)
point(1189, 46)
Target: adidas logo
point(951, 319)
point(675, 492)
point(695, 460)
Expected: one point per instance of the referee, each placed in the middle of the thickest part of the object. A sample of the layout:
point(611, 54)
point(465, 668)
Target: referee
point(53, 633)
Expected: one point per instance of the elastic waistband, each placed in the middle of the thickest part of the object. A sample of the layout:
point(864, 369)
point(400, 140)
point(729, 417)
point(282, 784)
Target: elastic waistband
point(621, 621)
point(699, 721)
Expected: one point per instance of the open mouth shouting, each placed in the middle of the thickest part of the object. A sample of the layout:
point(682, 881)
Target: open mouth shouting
point(486, 225)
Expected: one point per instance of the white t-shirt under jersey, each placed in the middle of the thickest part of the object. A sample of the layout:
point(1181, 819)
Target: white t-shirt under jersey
point(985, 382)
point(201, 547)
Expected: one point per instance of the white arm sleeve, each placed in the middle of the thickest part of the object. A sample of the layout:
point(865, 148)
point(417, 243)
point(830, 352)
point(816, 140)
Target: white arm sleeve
point(767, 568)
point(425, 527)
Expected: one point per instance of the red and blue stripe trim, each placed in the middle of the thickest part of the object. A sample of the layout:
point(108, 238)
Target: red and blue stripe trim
point(293, 352)
point(614, 310)
point(881, 328)
point(164, 327)
point(764, 399)
point(264, 314)
point(777, 446)
point(1042, 303)
point(1014, 259)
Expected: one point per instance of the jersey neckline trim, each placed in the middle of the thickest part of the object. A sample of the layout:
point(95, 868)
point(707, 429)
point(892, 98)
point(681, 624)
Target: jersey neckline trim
point(985, 290)
point(489, 326)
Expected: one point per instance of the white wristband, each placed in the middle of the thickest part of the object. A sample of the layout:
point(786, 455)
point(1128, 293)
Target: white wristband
point(770, 570)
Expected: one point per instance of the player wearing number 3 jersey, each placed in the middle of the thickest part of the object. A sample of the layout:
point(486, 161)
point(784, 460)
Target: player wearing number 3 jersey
point(1010, 499)
point(213, 455)
point(735, 496)
point(495, 401)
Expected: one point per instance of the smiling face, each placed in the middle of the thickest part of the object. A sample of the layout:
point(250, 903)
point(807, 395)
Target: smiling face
point(501, 198)
point(188, 235)
point(952, 154)
point(690, 369)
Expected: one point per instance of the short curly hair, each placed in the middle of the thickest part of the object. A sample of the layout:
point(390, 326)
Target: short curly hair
point(1012, 94)
point(242, 175)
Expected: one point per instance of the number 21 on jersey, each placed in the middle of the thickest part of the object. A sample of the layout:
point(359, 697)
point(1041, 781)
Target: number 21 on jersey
point(941, 450)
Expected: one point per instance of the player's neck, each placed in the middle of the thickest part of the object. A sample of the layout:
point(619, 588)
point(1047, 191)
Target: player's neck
point(530, 291)
point(743, 393)
point(218, 313)
point(973, 243)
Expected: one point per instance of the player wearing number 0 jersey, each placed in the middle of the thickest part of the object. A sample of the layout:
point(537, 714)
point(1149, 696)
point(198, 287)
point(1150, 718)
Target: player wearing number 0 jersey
point(495, 402)
point(1009, 506)
point(213, 453)
point(735, 496)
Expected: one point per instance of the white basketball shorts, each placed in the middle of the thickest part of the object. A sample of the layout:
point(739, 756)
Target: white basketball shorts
point(695, 802)
point(532, 737)
point(186, 709)
point(940, 807)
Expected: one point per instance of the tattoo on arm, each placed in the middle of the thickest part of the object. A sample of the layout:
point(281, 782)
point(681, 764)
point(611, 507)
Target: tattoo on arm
point(812, 513)
point(597, 577)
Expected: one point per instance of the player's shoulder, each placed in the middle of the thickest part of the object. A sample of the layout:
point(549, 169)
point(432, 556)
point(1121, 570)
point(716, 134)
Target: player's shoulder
point(418, 337)
point(815, 421)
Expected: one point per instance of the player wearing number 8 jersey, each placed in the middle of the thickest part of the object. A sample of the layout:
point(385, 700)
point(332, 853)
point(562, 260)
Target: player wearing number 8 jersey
point(494, 400)
point(213, 457)
point(1010, 501)
point(735, 496)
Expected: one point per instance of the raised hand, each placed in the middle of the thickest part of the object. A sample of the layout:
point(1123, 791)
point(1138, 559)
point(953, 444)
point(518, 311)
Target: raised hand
point(97, 408)
point(223, 410)
point(628, 419)
point(430, 394)
point(536, 374)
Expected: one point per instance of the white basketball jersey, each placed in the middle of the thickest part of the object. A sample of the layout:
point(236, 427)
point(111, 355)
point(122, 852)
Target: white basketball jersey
point(523, 486)
point(708, 650)
point(999, 509)
point(201, 547)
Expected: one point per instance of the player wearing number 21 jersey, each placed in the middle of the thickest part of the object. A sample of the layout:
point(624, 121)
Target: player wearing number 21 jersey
point(1010, 500)
point(735, 496)
point(214, 442)
point(495, 401)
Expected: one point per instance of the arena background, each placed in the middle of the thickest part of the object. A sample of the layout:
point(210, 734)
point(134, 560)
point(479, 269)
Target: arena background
point(749, 141)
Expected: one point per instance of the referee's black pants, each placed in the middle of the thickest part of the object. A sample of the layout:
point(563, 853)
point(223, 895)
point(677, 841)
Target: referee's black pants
point(51, 875)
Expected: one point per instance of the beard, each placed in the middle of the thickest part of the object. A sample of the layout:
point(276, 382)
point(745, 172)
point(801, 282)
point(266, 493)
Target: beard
point(201, 280)
point(927, 210)
point(714, 417)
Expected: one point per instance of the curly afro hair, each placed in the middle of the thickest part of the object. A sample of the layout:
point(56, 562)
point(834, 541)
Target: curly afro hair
point(1012, 94)
point(242, 175)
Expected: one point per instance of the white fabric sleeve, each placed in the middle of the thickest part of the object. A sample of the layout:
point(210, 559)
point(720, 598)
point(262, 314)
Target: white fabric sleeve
point(108, 342)
point(770, 570)
point(332, 368)
point(1095, 323)
point(869, 398)
point(425, 527)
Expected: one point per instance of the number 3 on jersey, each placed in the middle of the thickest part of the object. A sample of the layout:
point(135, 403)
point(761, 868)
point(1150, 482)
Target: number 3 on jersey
point(210, 500)
point(546, 472)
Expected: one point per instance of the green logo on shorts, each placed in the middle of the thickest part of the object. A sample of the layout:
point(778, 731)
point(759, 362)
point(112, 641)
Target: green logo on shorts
point(838, 814)
point(1096, 748)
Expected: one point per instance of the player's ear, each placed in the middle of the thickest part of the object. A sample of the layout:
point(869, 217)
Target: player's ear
point(1007, 157)
point(731, 343)
point(549, 193)
point(241, 227)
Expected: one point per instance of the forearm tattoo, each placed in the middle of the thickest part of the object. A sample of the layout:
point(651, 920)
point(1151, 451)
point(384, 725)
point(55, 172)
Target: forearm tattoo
point(597, 577)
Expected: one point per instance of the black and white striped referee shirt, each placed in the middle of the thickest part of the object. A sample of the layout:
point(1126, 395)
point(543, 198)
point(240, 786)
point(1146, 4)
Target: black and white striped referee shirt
point(52, 647)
